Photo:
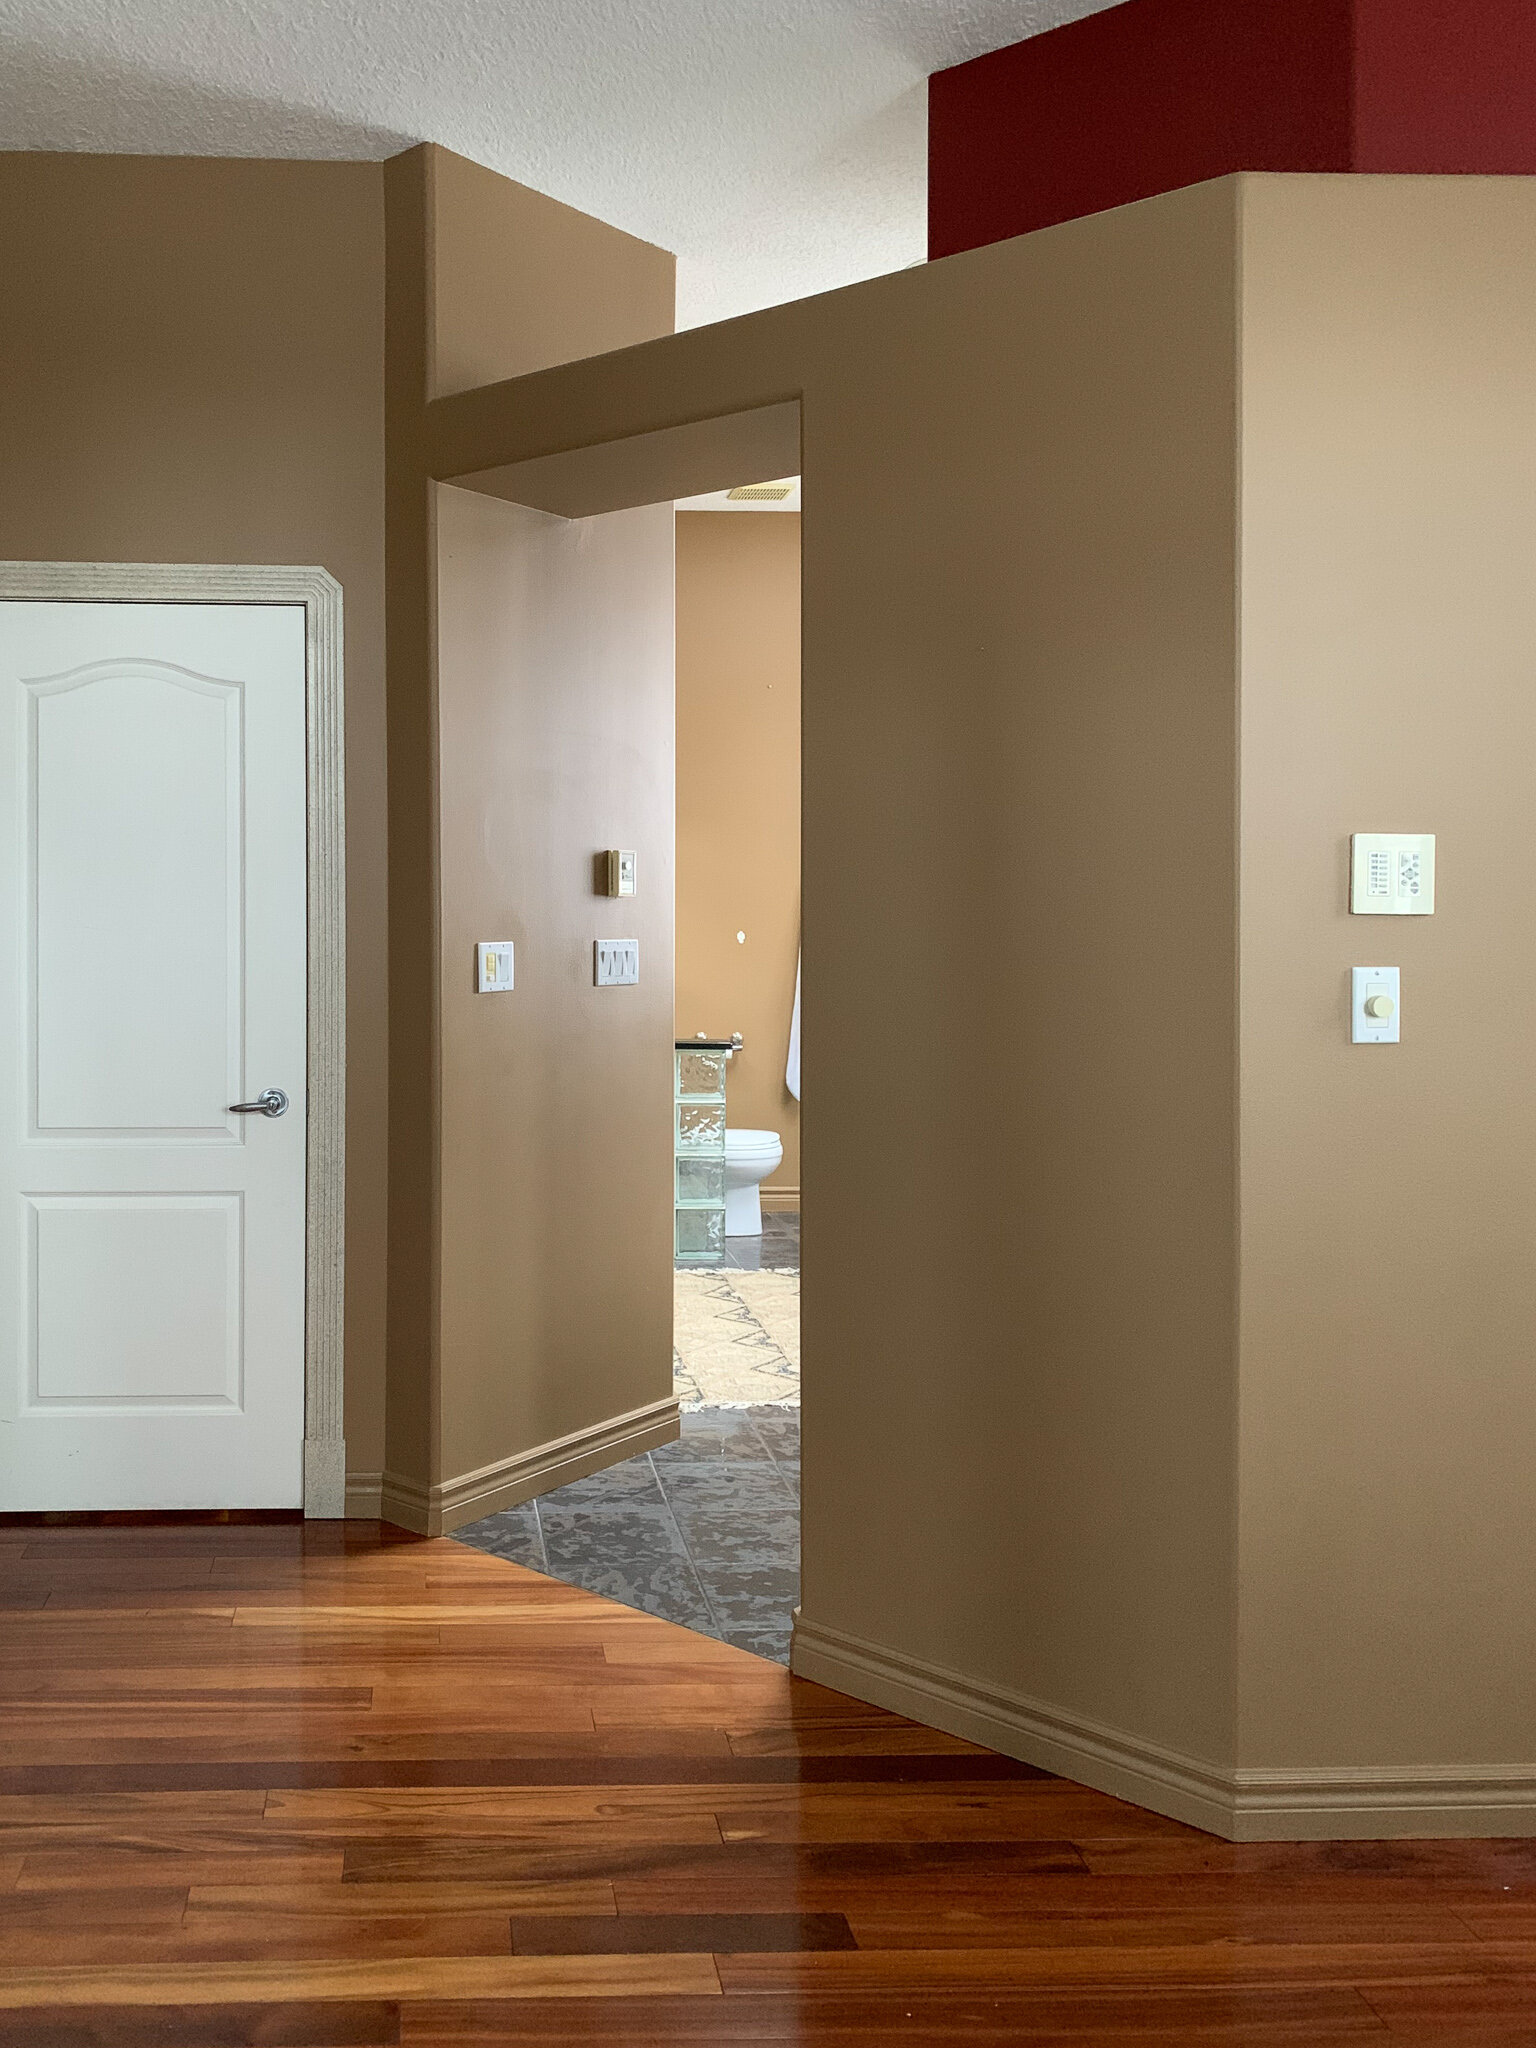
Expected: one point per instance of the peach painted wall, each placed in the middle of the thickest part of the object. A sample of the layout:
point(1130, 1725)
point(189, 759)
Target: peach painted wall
point(738, 805)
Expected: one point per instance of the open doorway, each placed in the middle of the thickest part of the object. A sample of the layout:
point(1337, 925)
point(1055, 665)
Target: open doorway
point(704, 1531)
point(732, 1480)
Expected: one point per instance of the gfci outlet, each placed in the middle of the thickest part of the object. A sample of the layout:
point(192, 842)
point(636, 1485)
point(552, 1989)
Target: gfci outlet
point(615, 962)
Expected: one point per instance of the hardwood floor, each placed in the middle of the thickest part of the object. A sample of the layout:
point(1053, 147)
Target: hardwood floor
point(273, 1786)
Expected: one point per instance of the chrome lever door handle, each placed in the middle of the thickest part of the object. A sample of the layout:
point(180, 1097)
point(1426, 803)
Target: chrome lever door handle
point(270, 1102)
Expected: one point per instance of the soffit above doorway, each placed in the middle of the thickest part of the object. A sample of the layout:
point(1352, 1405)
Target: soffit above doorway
point(675, 463)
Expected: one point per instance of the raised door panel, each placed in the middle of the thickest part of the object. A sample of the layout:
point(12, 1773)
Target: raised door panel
point(134, 1301)
point(134, 836)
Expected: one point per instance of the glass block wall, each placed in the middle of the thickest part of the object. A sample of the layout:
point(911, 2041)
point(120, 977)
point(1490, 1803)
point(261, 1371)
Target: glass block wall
point(699, 1098)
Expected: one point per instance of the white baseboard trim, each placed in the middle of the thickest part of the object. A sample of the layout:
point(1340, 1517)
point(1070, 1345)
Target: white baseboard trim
point(433, 1511)
point(1241, 1805)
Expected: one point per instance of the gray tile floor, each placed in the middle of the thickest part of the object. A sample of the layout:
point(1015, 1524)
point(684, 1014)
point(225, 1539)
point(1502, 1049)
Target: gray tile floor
point(705, 1531)
point(778, 1247)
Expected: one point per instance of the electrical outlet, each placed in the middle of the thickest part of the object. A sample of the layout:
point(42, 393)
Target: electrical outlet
point(615, 962)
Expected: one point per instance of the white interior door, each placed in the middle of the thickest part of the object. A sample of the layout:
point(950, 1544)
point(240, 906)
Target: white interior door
point(152, 974)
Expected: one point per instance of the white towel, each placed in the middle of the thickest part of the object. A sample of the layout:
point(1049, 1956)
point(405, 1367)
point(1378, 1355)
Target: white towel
point(792, 1066)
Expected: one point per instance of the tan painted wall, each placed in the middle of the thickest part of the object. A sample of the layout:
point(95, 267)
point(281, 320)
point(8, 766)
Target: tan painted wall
point(1388, 1194)
point(555, 701)
point(191, 370)
point(521, 281)
point(530, 725)
point(738, 803)
point(1019, 732)
point(1082, 1467)
point(414, 1397)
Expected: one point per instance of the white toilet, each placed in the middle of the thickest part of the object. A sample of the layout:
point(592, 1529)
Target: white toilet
point(750, 1156)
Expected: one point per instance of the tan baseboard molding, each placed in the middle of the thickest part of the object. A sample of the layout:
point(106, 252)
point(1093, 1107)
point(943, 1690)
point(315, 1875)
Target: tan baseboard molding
point(774, 1200)
point(1013, 1725)
point(1240, 1805)
point(365, 1492)
point(433, 1511)
point(406, 1504)
point(1374, 1805)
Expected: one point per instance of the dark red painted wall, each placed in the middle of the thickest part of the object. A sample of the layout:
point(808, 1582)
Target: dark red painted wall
point(1154, 94)
point(1445, 86)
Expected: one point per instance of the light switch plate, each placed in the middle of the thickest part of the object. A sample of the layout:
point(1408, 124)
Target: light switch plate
point(615, 962)
point(493, 967)
point(1392, 874)
point(1376, 985)
point(622, 866)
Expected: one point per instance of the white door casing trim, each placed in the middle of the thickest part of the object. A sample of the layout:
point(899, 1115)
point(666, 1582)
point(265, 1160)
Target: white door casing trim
point(325, 1458)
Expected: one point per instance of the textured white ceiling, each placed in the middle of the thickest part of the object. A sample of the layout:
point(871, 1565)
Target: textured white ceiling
point(777, 145)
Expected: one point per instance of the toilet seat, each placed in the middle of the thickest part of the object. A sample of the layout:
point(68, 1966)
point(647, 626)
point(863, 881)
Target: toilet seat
point(746, 1146)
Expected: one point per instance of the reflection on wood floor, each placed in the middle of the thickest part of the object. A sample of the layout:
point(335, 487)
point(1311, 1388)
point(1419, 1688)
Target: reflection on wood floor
point(332, 1787)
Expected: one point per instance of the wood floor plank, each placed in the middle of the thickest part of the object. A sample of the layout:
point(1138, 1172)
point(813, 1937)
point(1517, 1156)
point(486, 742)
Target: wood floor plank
point(916, 1923)
point(479, 1860)
point(629, 1767)
point(860, 1813)
point(500, 1977)
point(326, 1736)
point(1509, 1861)
point(588, 1898)
point(288, 1932)
point(762, 1876)
point(580, 1815)
point(316, 2024)
point(854, 1734)
point(678, 1933)
point(1329, 2017)
point(207, 1857)
point(1210, 1963)
point(23, 1813)
point(547, 1711)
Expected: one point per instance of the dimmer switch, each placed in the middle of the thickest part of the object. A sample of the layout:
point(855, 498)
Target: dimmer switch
point(1377, 1006)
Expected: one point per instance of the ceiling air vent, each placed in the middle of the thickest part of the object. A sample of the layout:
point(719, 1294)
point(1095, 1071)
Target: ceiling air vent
point(760, 494)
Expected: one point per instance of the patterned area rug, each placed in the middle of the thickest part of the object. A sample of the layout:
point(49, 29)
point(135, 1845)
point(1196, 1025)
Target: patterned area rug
point(736, 1338)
